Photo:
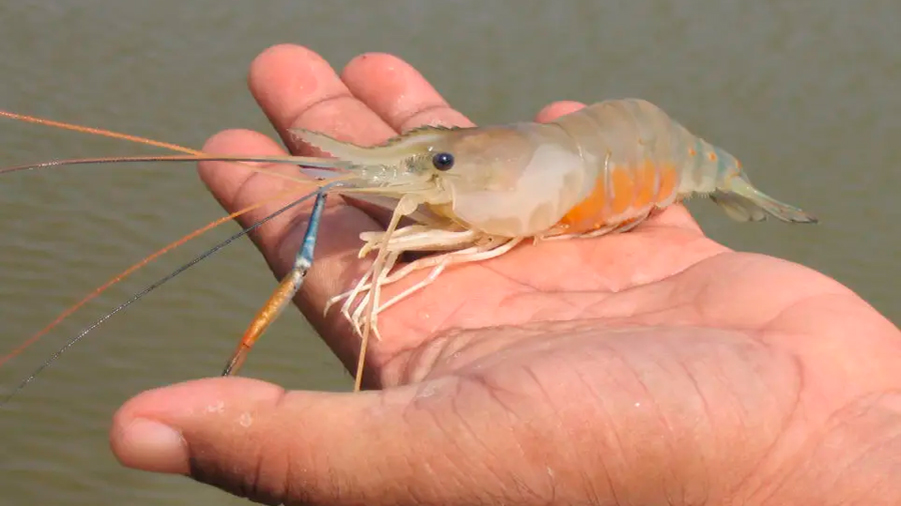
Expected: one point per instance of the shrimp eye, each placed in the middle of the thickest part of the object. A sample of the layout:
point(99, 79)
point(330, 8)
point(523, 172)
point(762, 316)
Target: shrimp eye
point(443, 161)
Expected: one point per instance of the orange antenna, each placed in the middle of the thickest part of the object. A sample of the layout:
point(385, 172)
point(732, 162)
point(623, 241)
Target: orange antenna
point(99, 131)
point(122, 275)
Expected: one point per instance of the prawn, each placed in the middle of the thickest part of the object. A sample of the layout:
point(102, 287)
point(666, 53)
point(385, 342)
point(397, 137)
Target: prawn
point(476, 193)
point(480, 191)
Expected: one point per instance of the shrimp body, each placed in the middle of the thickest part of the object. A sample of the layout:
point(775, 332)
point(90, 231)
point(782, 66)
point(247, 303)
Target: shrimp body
point(477, 192)
point(642, 159)
point(605, 166)
point(608, 164)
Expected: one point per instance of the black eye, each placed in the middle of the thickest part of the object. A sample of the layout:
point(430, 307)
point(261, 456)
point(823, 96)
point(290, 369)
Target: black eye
point(443, 161)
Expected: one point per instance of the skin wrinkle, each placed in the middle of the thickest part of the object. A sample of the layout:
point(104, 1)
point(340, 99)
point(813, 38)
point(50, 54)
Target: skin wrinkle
point(418, 496)
point(864, 452)
point(794, 403)
point(534, 377)
point(707, 415)
point(577, 309)
point(766, 453)
point(298, 483)
point(249, 483)
point(458, 344)
point(757, 470)
point(552, 482)
point(455, 480)
point(448, 344)
point(638, 381)
point(403, 367)
point(449, 437)
point(767, 323)
point(589, 487)
point(596, 311)
point(649, 396)
point(818, 446)
point(424, 357)
point(292, 475)
point(665, 422)
point(861, 412)
point(736, 403)
point(253, 489)
point(493, 392)
point(480, 382)
point(754, 468)
point(611, 430)
point(772, 323)
point(198, 470)
point(476, 347)
point(638, 319)
point(307, 110)
point(510, 279)
point(611, 486)
point(455, 408)
point(551, 479)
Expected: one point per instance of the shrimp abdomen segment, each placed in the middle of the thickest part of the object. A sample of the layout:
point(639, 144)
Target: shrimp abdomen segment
point(631, 143)
point(622, 193)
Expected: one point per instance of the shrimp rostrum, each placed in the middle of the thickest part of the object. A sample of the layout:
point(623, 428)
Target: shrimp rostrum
point(475, 193)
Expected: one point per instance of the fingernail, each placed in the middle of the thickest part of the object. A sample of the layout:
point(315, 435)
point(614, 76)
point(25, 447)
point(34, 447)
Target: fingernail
point(152, 446)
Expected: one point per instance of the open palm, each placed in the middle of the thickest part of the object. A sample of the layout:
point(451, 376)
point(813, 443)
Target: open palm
point(639, 368)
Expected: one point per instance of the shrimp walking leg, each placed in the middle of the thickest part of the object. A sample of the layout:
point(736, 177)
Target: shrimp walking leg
point(362, 285)
point(412, 238)
point(284, 293)
point(441, 262)
point(491, 249)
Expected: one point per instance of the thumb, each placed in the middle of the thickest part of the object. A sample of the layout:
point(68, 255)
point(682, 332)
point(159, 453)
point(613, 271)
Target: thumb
point(256, 440)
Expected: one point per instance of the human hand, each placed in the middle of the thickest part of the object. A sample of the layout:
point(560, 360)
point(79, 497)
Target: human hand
point(651, 367)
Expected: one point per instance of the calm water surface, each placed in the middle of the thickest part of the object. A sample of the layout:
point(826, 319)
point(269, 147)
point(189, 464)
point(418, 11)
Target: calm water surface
point(805, 92)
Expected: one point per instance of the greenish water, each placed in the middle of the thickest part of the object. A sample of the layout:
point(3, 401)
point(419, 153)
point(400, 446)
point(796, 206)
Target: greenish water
point(805, 93)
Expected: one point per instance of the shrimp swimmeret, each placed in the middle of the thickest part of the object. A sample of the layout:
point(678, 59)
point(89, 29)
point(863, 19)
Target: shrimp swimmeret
point(476, 193)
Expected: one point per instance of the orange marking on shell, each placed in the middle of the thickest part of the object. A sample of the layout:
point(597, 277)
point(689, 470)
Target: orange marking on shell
point(692, 152)
point(590, 210)
point(645, 178)
point(623, 189)
point(711, 156)
point(667, 182)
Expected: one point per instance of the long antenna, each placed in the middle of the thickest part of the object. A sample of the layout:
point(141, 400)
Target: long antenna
point(153, 286)
point(130, 270)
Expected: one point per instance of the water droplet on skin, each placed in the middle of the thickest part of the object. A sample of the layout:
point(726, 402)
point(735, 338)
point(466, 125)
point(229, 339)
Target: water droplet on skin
point(427, 391)
point(219, 407)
